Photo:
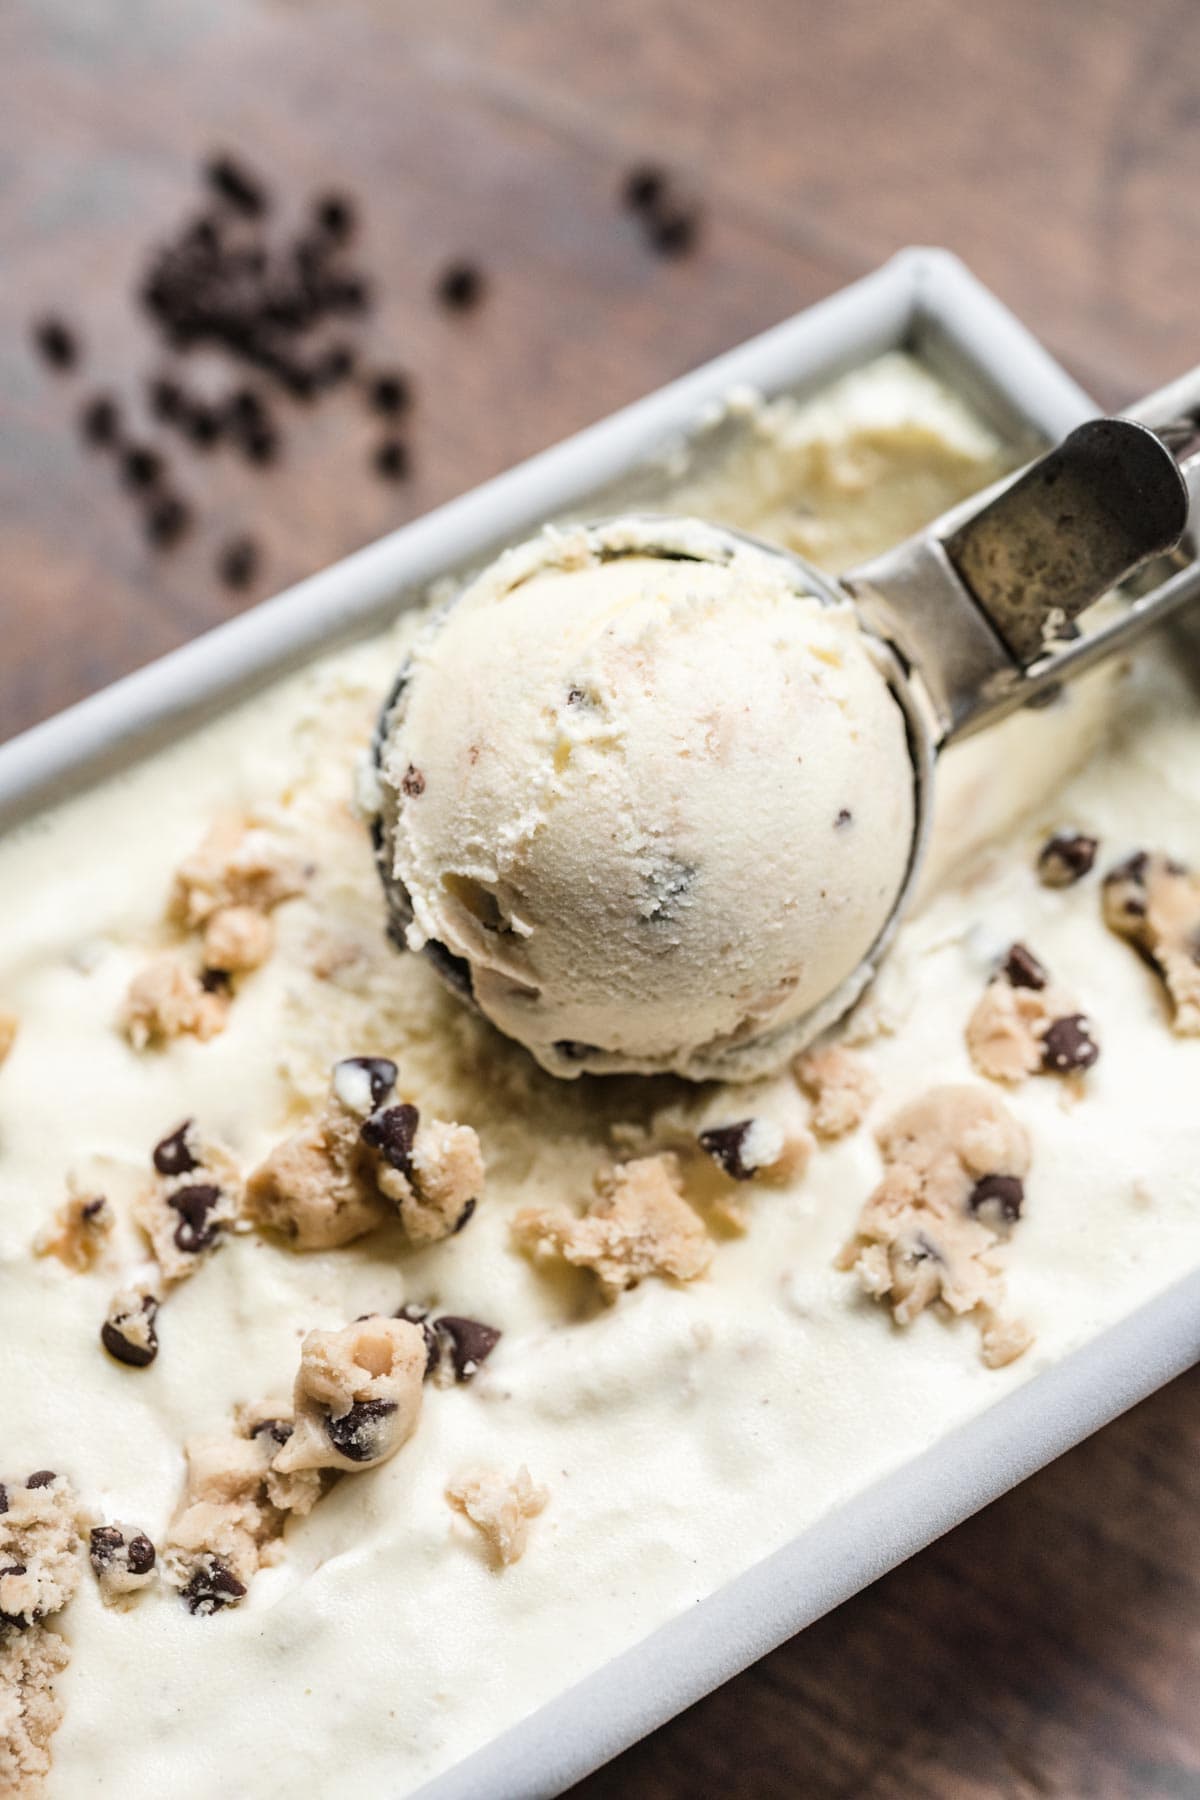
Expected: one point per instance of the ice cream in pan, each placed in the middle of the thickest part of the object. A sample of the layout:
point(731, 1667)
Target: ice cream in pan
point(653, 795)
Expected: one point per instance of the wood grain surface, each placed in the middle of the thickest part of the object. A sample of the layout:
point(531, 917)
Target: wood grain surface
point(1050, 1646)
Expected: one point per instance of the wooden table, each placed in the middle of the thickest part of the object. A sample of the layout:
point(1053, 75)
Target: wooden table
point(1050, 1645)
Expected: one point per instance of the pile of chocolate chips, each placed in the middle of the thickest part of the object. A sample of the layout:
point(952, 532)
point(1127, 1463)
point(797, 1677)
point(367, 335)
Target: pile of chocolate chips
point(669, 218)
point(280, 311)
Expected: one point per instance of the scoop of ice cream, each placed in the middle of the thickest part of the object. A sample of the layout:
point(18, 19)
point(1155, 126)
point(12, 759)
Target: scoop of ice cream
point(647, 797)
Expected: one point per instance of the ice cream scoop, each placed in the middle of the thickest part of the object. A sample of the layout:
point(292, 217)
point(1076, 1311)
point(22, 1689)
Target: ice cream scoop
point(652, 794)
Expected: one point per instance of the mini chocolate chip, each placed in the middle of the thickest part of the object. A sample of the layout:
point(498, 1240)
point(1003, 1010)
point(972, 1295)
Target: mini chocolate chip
point(279, 1430)
point(389, 392)
point(212, 1587)
point(141, 1554)
point(100, 421)
point(171, 1154)
point(125, 1350)
point(412, 782)
point(1023, 970)
point(216, 981)
point(335, 364)
point(1068, 1045)
point(194, 1204)
point(381, 1072)
point(260, 445)
point(233, 181)
point(356, 1434)
point(141, 467)
point(575, 696)
point(1005, 1192)
point(465, 1216)
point(244, 407)
point(166, 398)
point(167, 520)
point(335, 215)
point(392, 1133)
point(105, 1541)
point(644, 187)
point(202, 425)
point(845, 817)
point(1066, 858)
point(237, 562)
point(92, 1210)
point(725, 1144)
point(41, 1478)
point(674, 233)
point(460, 286)
point(470, 1343)
point(391, 459)
point(56, 343)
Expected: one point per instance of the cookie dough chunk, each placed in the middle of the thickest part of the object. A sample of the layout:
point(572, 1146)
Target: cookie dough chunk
point(9, 1026)
point(78, 1233)
point(1025, 1024)
point(358, 1395)
point(1154, 902)
point(432, 1172)
point(194, 1198)
point(237, 939)
point(166, 1000)
point(39, 1548)
point(237, 865)
point(841, 1087)
point(952, 1188)
point(318, 1187)
point(30, 1708)
point(122, 1559)
point(639, 1224)
point(500, 1507)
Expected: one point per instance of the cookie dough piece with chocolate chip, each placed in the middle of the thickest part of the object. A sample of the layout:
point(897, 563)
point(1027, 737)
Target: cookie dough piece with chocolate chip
point(431, 1171)
point(40, 1527)
point(955, 1162)
point(500, 1507)
point(358, 1395)
point(841, 1087)
point(238, 864)
point(122, 1558)
point(1025, 1024)
point(1154, 902)
point(78, 1233)
point(194, 1198)
point(128, 1332)
point(31, 1709)
point(167, 1000)
point(638, 1225)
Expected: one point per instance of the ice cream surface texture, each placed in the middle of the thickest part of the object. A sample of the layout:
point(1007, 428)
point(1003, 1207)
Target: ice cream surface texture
point(719, 1317)
point(654, 795)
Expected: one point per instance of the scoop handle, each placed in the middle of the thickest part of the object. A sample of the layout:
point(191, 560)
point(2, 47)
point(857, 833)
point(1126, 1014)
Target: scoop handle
point(983, 604)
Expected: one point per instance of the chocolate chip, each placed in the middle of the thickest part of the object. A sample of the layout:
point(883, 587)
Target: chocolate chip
point(167, 520)
point(391, 459)
point(412, 782)
point(1068, 1045)
point(392, 1132)
point(104, 1543)
point(195, 1203)
point(335, 214)
point(644, 187)
point(100, 421)
point(571, 1050)
point(845, 816)
point(237, 562)
point(357, 1434)
point(674, 233)
point(1066, 858)
point(469, 1341)
point(141, 467)
point(56, 343)
point(1004, 1193)
point(93, 1209)
point(335, 365)
point(172, 1154)
point(233, 182)
point(212, 1587)
point(381, 1072)
point(278, 1430)
point(460, 286)
point(128, 1350)
point(465, 1216)
point(141, 1554)
point(726, 1144)
point(1023, 970)
point(389, 393)
point(216, 981)
point(201, 425)
point(245, 408)
point(166, 399)
point(42, 1478)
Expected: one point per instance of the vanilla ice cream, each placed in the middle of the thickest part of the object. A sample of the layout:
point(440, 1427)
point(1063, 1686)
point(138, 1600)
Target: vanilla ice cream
point(653, 798)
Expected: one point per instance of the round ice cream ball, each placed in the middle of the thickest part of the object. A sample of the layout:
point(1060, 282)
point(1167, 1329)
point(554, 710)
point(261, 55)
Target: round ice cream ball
point(651, 808)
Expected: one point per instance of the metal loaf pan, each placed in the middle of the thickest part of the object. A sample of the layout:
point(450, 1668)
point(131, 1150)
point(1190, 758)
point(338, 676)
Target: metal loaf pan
point(924, 300)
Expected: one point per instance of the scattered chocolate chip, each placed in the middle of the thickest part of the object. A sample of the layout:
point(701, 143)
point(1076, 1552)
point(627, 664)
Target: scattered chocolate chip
point(356, 1435)
point(1131, 873)
point(201, 424)
point(130, 1349)
point(93, 1209)
point(460, 286)
point(465, 1216)
point(100, 421)
point(233, 182)
point(1068, 1045)
point(141, 467)
point(104, 1543)
point(172, 1154)
point(195, 1203)
point(674, 233)
point(470, 1342)
point(644, 187)
point(334, 365)
point(380, 1071)
point(845, 817)
point(212, 1587)
point(1066, 858)
point(166, 399)
point(575, 696)
point(245, 408)
point(237, 562)
point(278, 1430)
point(335, 214)
point(1006, 1193)
point(391, 459)
point(389, 393)
point(167, 520)
point(42, 1478)
point(56, 342)
point(392, 1132)
point(1023, 970)
point(216, 981)
point(412, 782)
point(726, 1144)
point(141, 1554)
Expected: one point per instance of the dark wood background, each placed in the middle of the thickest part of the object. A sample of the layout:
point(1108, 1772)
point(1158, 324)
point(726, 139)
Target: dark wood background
point(1050, 1646)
